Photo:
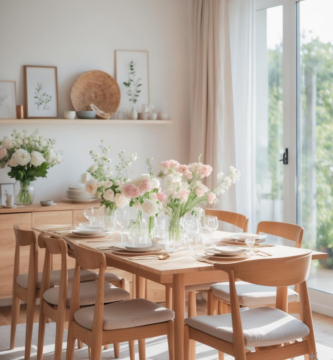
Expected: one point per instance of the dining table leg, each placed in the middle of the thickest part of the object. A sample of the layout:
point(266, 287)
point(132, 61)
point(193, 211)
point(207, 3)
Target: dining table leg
point(178, 292)
point(140, 293)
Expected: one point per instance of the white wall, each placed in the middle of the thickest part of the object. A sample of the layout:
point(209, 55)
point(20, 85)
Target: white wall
point(81, 35)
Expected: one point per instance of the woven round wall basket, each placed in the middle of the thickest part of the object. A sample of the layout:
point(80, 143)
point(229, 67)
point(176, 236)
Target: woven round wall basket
point(98, 88)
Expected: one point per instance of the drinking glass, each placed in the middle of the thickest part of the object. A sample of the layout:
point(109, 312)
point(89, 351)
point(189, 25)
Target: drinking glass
point(206, 238)
point(192, 230)
point(139, 234)
point(91, 212)
point(162, 227)
point(212, 224)
point(250, 241)
point(123, 220)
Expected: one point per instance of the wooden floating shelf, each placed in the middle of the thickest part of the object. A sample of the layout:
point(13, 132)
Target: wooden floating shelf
point(86, 121)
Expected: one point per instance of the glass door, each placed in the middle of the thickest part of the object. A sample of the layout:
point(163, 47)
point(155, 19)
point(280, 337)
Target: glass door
point(269, 126)
point(315, 135)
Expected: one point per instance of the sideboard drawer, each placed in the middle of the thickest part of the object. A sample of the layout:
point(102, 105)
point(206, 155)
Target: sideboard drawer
point(7, 252)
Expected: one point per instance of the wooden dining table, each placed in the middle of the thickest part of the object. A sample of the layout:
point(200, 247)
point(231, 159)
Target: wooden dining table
point(179, 270)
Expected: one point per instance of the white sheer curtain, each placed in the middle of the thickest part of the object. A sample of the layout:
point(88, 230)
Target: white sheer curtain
point(241, 14)
point(212, 125)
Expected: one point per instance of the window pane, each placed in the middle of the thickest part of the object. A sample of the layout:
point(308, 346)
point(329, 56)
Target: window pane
point(315, 135)
point(269, 121)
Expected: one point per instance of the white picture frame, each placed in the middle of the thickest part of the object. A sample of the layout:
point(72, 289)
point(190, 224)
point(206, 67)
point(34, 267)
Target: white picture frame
point(6, 189)
point(41, 92)
point(140, 58)
point(7, 99)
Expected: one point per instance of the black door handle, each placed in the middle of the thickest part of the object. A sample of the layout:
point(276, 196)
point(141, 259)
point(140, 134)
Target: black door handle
point(285, 157)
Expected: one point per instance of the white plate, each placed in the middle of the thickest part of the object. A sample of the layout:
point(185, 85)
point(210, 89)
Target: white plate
point(90, 228)
point(141, 248)
point(88, 233)
point(259, 238)
point(229, 250)
point(8, 207)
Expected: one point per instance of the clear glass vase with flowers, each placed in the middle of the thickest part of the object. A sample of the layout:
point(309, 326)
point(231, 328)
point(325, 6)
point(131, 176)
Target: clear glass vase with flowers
point(106, 184)
point(184, 192)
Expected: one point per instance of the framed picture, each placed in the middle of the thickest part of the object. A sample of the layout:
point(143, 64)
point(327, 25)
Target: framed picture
point(132, 75)
point(7, 194)
point(41, 92)
point(7, 100)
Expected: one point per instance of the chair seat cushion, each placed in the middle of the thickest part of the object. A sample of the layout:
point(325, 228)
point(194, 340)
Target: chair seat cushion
point(85, 275)
point(124, 315)
point(250, 294)
point(263, 326)
point(111, 277)
point(88, 292)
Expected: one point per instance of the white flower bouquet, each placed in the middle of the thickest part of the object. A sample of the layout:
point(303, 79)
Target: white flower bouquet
point(29, 156)
point(145, 195)
point(101, 181)
point(184, 190)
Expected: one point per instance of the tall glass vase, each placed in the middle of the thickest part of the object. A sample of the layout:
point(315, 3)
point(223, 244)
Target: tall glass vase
point(175, 234)
point(24, 192)
point(109, 218)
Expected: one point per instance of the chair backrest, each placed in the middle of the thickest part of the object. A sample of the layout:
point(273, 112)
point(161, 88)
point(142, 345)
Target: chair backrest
point(282, 271)
point(89, 259)
point(54, 246)
point(284, 230)
point(26, 238)
point(229, 217)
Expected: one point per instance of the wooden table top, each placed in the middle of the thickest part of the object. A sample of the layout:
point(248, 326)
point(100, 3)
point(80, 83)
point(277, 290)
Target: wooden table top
point(178, 262)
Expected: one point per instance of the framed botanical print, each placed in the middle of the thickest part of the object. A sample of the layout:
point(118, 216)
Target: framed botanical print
point(7, 100)
point(132, 75)
point(41, 92)
point(7, 194)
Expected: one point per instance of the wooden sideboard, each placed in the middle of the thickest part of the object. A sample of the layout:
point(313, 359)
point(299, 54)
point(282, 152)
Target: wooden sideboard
point(33, 215)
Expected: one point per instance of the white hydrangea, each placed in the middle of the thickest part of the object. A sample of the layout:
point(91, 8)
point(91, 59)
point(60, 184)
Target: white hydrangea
point(156, 183)
point(22, 157)
point(37, 158)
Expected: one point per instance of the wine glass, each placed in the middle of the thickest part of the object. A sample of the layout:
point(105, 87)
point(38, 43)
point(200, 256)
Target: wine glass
point(192, 230)
point(123, 220)
point(93, 215)
point(250, 241)
point(162, 225)
point(212, 224)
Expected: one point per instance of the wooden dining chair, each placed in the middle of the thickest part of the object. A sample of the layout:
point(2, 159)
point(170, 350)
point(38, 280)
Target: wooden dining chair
point(55, 301)
point(250, 295)
point(26, 287)
point(118, 322)
point(238, 220)
point(270, 331)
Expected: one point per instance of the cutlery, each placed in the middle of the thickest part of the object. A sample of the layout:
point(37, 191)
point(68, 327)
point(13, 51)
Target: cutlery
point(150, 257)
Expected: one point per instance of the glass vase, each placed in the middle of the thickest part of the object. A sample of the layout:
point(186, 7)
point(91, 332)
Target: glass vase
point(175, 234)
point(24, 193)
point(110, 218)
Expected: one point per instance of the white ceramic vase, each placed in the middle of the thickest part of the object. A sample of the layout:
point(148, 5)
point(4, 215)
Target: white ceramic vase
point(133, 114)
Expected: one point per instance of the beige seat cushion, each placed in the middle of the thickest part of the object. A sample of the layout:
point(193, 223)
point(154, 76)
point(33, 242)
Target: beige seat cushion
point(250, 294)
point(111, 277)
point(85, 275)
point(263, 326)
point(88, 292)
point(124, 315)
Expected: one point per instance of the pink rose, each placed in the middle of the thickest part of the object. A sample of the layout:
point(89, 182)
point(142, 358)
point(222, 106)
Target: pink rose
point(160, 196)
point(3, 152)
point(206, 170)
point(211, 198)
point(200, 189)
point(184, 169)
point(168, 165)
point(121, 200)
point(145, 186)
point(182, 195)
point(130, 190)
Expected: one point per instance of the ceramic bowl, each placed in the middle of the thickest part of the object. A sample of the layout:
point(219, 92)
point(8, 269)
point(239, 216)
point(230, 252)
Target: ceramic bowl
point(47, 202)
point(69, 115)
point(86, 114)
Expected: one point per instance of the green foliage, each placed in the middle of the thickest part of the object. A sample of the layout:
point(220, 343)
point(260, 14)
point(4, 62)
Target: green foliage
point(23, 173)
point(133, 84)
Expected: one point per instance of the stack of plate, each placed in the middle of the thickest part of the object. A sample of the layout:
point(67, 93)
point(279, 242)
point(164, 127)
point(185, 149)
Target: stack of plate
point(131, 250)
point(89, 232)
point(79, 195)
point(232, 253)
